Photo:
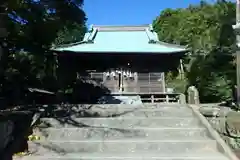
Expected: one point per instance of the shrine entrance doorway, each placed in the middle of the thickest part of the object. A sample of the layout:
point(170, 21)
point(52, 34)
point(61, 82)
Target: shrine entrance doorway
point(117, 79)
point(123, 80)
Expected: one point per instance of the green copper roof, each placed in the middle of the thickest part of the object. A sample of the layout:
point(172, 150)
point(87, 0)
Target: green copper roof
point(125, 39)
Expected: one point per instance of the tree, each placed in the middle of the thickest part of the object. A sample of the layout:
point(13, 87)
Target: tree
point(33, 27)
point(206, 29)
point(71, 34)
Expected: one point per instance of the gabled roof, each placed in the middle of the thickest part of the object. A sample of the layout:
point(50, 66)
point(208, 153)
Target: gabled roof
point(121, 39)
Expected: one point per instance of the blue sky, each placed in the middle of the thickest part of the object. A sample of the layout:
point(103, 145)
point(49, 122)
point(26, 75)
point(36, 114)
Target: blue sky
point(129, 12)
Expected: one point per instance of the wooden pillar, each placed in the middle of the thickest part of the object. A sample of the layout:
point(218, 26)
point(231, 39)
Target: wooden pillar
point(167, 98)
point(152, 98)
point(163, 82)
point(55, 65)
point(121, 81)
point(237, 30)
point(135, 82)
point(238, 52)
point(181, 70)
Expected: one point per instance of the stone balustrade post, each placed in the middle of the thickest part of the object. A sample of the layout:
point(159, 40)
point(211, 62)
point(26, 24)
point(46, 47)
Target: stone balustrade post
point(182, 98)
point(193, 95)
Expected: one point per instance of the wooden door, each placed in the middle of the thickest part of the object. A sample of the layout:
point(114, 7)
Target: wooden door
point(145, 83)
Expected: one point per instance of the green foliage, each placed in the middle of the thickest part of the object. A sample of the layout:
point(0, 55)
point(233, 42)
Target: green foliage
point(179, 85)
point(70, 35)
point(31, 28)
point(206, 30)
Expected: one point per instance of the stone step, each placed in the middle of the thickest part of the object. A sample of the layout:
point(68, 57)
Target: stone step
point(133, 113)
point(124, 111)
point(116, 134)
point(127, 122)
point(139, 112)
point(131, 106)
point(160, 105)
point(122, 146)
point(129, 156)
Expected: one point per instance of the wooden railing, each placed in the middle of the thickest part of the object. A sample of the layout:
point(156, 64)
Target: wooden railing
point(157, 97)
point(144, 88)
point(142, 82)
point(163, 98)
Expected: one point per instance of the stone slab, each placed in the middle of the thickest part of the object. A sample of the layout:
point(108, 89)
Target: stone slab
point(118, 134)
point(131, 106)
point(122, 123)
point(129, 156)
point(124, 111)
point(122, 108)
point(121, 146)
point(146, 112)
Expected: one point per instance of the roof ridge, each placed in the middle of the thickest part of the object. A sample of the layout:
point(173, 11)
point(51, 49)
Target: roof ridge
point(142, 25)
point(120, 27)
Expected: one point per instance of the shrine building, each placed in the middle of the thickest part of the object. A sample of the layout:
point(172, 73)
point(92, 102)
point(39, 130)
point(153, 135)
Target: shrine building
point(127, 59)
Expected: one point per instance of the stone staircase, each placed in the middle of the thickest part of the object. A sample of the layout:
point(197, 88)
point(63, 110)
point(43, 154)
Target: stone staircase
point(131, 132)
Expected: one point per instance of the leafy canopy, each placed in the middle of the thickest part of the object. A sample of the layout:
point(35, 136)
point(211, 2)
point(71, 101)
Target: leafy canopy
point(206, 29)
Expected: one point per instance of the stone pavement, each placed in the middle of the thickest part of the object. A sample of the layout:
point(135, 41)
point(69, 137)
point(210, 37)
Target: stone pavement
point(132, 132)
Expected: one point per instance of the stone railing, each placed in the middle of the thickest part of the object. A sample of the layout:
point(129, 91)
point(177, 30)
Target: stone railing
point(193, 95)
point(225, 121)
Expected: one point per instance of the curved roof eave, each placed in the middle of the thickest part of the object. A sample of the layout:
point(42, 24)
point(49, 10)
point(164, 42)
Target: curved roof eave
point(121, 39)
